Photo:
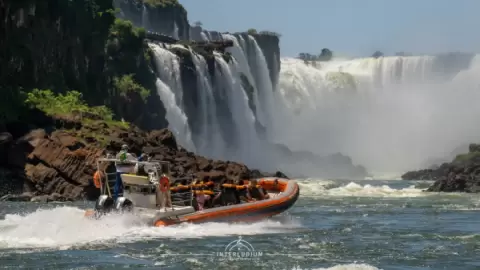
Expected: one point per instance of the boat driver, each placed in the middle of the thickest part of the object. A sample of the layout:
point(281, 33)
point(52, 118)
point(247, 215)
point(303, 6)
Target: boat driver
point(125, 165)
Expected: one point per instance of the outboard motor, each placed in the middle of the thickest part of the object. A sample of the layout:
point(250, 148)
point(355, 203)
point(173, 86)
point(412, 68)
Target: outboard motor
point(123, 205)
point(103, 205)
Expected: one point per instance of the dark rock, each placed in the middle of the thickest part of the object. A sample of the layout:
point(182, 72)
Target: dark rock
point(60, 166)
point(5, 142)
point(460, 175)
point(24, 197)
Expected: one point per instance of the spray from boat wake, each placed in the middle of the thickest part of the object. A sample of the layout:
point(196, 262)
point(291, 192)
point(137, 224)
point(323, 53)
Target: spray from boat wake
point(65, 227)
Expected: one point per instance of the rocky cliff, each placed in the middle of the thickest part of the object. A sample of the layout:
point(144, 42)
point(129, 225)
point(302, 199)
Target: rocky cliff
point(167, 17)
point(76, 45)
point(460, 175)
point(53, 158)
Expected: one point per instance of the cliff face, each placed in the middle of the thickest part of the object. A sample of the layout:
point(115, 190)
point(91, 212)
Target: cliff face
point(74, 45)
point(165, 17)
point(56, 159)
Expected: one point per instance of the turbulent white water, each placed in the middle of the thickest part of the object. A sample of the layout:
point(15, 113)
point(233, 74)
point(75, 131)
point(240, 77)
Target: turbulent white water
point(402, 112)
point(65, 227)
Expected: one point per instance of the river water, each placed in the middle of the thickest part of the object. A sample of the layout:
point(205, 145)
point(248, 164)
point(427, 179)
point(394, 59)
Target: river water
point(334, 225)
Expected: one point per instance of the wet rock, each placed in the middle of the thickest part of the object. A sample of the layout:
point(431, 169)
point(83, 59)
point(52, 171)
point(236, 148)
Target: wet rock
point(24, 197)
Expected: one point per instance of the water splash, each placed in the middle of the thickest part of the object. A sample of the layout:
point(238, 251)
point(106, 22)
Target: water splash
point(65, 227)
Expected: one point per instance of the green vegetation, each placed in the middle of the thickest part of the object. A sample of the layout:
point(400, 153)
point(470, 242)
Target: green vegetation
point(377, 54)
point(126, 84)
point(70, 104)
point(325, 55)
point(252, 31)
point(162, 3)
point(227, 56)
point(90, 51)
point(465, 157)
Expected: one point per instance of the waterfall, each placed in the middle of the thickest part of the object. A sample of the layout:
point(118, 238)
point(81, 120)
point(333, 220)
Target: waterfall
point(169, 89)
point(145, 18)
point(175, 31)
point(209, 140)
point(390, 113)
point(243, 66)
point(244, 120)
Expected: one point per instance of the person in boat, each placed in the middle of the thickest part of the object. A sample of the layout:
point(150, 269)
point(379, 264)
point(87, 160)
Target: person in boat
point(164, 198)
point(229, 193)
point(202, 199)
point(126, 164)
point(242, 191)
point(254, 193)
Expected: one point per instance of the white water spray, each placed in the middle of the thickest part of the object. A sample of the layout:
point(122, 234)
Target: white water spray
point(398, 113)
point(170, 90)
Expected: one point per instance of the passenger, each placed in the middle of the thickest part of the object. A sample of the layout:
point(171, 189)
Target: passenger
point(242, 193)
point(125, 165)
point(229, 194)
point(217, 199)
point(201, 200)
point(254, 193)
point(142, 169)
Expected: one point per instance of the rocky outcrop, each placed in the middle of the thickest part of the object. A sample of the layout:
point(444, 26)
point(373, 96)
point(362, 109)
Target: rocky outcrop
point(60, 162)
point(166, 17)
point(460, 175)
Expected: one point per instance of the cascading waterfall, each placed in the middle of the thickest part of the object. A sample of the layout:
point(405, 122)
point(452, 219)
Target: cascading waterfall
point(244, 120)
point(393, 113)
point(239, 53)
point(175, 31)
point(389, 114)
point(145, 18)
point(209, 140)
point(169, 89)
point(265, 89)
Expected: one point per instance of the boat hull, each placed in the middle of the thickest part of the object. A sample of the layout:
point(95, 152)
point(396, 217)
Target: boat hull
point(289, 192)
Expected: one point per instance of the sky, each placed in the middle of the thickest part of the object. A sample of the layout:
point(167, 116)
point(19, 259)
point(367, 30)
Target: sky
point(349, 27)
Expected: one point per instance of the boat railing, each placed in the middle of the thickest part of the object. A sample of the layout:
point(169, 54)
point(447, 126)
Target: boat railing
point(177, 199)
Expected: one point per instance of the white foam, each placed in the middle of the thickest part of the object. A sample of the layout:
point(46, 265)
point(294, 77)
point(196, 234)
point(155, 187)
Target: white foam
point(352, 266)
point(64, 227)
point(322, 188)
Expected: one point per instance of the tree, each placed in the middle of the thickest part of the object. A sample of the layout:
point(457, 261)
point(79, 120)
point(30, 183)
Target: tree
point(252, 31)
point(325, 55)
point(377, 54)
point(198, 24)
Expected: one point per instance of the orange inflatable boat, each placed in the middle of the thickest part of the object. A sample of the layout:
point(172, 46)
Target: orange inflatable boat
point(151, 197)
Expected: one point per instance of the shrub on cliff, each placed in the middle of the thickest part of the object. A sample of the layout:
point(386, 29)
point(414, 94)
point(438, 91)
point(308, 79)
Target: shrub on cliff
point(68, 104)
point(129, 60)
point(126, 84)
point(252, 31)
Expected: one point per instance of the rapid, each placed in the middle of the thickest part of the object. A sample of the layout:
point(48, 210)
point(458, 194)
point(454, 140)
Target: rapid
point(336, 224)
